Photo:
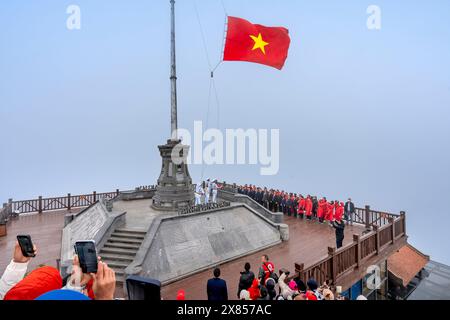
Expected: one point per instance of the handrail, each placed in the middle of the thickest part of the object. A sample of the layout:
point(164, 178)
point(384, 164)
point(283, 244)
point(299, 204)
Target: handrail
point(346, 259)
point(57, 203)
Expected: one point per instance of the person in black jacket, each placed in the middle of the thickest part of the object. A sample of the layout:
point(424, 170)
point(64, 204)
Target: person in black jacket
point(246, 280)
point(217, 288)
point(339, 226)
point(349, 211)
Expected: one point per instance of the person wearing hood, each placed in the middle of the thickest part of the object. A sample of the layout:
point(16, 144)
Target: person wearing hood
point(15, 271)
point(254, 290)
point(339, 211)
point(246, 280)
point(330, 212)
point(301, 207)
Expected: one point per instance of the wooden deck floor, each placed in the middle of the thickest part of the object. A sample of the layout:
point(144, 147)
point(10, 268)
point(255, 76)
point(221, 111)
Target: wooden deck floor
point(308, 243)
point(45, 230)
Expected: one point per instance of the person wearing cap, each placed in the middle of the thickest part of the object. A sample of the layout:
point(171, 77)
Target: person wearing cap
point(15, 271)
point(349, 211)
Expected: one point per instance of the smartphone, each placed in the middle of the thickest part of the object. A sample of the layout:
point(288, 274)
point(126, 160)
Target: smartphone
point(87, 255)
point(26, 245)
point(338, 289)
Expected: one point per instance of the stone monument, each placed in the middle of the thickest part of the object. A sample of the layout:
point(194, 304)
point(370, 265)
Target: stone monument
point(174, 189)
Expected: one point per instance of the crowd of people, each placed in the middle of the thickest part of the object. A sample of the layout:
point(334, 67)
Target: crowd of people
point(335, 212)
point(267, 285)
point(206, 192)
point(46, 283)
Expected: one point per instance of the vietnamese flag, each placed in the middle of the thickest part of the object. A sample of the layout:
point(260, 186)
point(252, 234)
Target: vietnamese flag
point(256, 43)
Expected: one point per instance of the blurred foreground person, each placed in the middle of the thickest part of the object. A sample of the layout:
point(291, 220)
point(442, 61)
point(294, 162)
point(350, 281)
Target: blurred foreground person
point(15, 271)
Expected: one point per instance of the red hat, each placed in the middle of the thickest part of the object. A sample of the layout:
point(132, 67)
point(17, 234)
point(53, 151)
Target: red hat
point(38, 282)
point(181, 295)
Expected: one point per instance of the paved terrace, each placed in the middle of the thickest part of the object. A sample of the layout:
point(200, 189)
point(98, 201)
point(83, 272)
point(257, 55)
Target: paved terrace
point(308, 243)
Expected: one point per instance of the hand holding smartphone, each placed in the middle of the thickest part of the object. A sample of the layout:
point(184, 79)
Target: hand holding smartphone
point(87, 256)
point(26, 246)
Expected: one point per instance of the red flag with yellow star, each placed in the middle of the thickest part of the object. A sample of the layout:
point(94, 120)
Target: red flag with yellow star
point(256, 43)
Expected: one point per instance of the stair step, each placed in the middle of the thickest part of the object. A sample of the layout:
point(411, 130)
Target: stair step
point(122, 246)
point(116, 257)
point(118, 251)
point(120, 230)
point(124, 240)
point(128, 235)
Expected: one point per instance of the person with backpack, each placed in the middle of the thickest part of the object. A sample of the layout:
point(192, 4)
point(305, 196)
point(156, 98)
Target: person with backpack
point(266, 270)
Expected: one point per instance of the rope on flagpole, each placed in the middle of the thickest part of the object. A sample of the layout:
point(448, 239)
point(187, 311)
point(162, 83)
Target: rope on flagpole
point(212, 82)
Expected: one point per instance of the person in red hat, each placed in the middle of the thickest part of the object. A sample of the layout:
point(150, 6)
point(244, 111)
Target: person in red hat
point(15, 271)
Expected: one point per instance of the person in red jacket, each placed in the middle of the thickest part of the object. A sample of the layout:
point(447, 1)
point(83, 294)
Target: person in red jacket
point(254, 290)
point(308, 207)
point(339, 211)
point(301, 207)
point(323, 209)
point(330, 212)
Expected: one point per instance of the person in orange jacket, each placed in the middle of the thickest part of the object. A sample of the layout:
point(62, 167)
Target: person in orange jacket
point(308, 207)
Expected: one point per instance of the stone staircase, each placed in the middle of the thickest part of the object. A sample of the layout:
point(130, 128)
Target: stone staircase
point(120, 250)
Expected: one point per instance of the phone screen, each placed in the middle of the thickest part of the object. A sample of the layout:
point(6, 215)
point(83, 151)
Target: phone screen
point(26, 245)
point(87, 256)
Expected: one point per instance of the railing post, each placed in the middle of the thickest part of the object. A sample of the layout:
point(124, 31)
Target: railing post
point(357, 240)
point(10, 207)
point(403, 216)
point(367, 217)
point(40, 204)
point(377, 238)
point(300, 268)
point(95, 196)
point(69, 204)
point(392, 223)
point(332, 254)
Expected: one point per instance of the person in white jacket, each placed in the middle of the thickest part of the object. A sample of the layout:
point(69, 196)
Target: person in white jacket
point(287, 291)
point(15, 271)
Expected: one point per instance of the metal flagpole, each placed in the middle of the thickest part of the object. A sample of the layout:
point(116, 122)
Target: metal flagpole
point(173, 76)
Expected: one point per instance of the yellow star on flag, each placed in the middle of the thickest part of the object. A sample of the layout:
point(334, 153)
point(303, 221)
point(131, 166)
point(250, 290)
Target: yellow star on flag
point(259, 43)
